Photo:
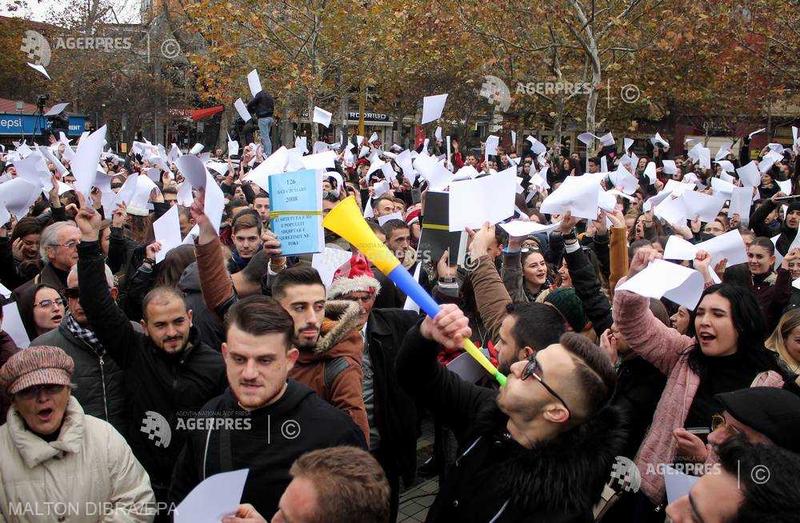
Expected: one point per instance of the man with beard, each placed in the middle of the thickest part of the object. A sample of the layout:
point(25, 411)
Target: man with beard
point(325, 333)
point(328, 336)
point(540, 449)
point(168, 370)
point(265, 420)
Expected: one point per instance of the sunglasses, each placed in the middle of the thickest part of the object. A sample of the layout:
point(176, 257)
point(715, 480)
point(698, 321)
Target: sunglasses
point(718, 422)
point(532, 368)
point(72, 293)
point(33, 391)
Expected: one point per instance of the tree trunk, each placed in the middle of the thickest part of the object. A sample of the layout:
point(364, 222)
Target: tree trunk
point(222, 134)
point(287, 136)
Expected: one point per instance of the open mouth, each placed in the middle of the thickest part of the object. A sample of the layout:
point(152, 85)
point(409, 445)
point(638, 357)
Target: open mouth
point(706, 337)
point(56, 318)
point(45, 414)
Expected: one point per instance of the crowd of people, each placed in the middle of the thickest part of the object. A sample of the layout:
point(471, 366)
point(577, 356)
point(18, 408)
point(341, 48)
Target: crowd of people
point(145, 376)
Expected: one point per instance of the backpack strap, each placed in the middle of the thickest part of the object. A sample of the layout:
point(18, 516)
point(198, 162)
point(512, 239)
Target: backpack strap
point(332, 369)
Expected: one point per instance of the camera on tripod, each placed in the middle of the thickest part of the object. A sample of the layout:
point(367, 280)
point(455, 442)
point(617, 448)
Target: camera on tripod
point(41, 100)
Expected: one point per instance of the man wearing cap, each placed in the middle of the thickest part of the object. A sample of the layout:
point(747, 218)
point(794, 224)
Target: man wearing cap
point(53, 454)
point(760, 415)
point(391, 413)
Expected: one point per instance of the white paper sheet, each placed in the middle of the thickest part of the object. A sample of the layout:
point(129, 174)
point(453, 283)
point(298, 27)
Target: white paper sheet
point(386, 217)
point(432, 107)
point(628, 142)
point(56, 109)
point(537, 147)
point(411, 305)
point(741, 201)
point(167, 231)
point(322, 116)
point(492, 142)
point(274, 164)
point(707, 207)
point(650, 172)
point(17, 195)
point(729, 246)
point(669, 167)
point(215, 497)
point(328, 261)
point(722, 188)
point(320, 161)
point(756, 132)
point(435, 173)
point(678, 484)
point(192, 169)
point(749, 174)
point(12, 324)
point(84, 165)
point(241, 108)
point(254, 82)
point(233, 147)
point(727, 166)
point(624, 180)
point(47, 153)
point(521, 228)
point(769, 160)
point(680, 284)
point(577, 194)
point(214, 202)
point(487, 199)
point(39, 68)
point(196, 148)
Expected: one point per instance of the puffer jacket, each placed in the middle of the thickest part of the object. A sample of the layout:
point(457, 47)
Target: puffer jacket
point(99, 379)
point(89, 471)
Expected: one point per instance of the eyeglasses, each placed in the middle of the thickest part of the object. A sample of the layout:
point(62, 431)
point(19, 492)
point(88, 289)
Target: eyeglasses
point(532, 368)
point(72, 244)
point(72, 292)
point(46, 304)
point(718, 422)
point(33, 391)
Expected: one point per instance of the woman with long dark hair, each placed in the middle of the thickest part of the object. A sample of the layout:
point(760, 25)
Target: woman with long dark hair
point(722, 351)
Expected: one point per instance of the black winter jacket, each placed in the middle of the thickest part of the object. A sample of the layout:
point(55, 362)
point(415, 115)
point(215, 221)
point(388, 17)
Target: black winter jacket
point(395, 411)
point(100, 380)
point(266, 441)
point(262, 105)
point(494, 478)
point(159, 386)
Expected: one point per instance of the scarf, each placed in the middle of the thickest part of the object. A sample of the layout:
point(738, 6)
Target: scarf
point(240, 262)
point(82, 333)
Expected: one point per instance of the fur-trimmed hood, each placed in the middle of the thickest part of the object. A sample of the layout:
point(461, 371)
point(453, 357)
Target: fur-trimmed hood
point(341, 319)
point(563, 476)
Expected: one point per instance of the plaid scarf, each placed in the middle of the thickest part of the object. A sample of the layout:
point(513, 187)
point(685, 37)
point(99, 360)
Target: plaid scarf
point(82, 333)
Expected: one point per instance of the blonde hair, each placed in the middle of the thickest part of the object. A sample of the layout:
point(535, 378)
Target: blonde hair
point(777, 340)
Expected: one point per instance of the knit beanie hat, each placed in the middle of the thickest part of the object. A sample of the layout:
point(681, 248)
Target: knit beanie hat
point(569, 305)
